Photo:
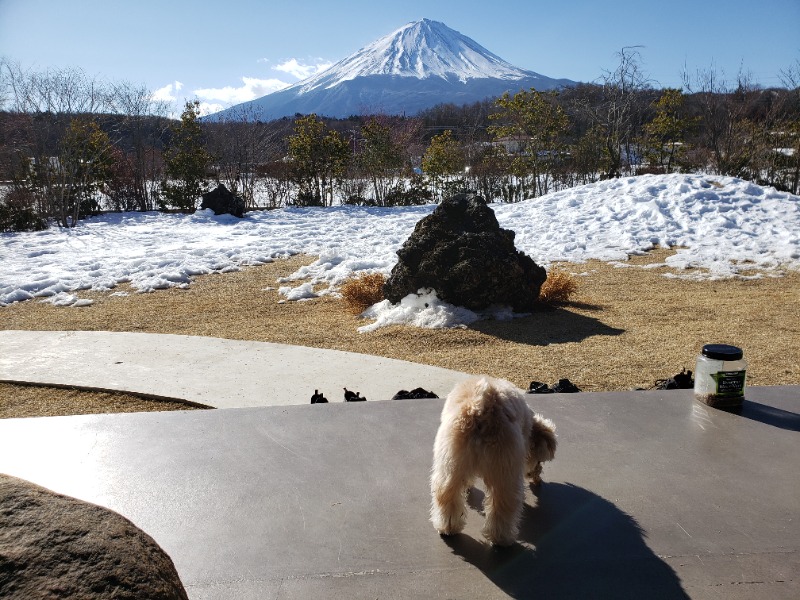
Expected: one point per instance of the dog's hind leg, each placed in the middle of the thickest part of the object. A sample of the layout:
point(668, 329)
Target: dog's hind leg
point(505, 496)
point(448, 495)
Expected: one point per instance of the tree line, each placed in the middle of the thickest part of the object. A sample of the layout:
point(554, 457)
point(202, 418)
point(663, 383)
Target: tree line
point(71, 145)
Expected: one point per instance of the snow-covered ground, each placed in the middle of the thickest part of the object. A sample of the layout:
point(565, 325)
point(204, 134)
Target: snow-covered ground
point(725, 227)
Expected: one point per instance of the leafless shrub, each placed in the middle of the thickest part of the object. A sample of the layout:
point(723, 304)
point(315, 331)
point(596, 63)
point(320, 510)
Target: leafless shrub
point(359, 293)
point(559, 287)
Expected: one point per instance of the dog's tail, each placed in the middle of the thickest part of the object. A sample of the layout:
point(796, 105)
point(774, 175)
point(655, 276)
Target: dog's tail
point(543, 439)
point(483, 398)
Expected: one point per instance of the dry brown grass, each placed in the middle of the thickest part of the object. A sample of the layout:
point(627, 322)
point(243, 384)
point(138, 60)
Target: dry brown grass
point(47, 401)
point(624, 328)
point(559, 287)
point(359, 293)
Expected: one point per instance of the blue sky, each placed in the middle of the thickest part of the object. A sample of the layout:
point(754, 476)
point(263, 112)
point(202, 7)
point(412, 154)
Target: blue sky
point(232, 51)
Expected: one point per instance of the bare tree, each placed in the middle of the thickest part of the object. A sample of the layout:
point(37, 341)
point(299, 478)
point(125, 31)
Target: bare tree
point(275, 183)
point(66, 125)
point(56, 91)
point(790, 76)
point(618, 113)
point(725, 129)
point(142, 130)
point(789, 131)
point(5, 84)
point(241, 144)
point(48, 161)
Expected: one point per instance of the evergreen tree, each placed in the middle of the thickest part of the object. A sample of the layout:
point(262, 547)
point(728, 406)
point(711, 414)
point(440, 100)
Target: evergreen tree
point(318, 156)
point(537, 124)
point(443, 160)
point(668, 129)
point(66, 185)
point(88, 160)
point(186, 161)
point(381, 158)
point(589, 157)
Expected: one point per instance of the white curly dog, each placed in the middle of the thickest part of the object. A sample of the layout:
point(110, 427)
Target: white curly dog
point(487, 431)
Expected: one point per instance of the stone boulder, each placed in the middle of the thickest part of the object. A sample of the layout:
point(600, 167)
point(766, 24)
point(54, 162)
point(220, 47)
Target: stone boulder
point(54, 546)
point(460, 251)
point(223, 201)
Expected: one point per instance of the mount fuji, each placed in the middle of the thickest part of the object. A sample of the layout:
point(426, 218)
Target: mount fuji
point(422, 64)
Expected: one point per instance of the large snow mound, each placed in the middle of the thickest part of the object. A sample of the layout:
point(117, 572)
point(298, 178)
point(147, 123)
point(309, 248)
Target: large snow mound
point(723, 226)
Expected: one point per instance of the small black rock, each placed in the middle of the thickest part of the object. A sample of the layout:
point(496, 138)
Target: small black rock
point(222, 201)
point(413, 394)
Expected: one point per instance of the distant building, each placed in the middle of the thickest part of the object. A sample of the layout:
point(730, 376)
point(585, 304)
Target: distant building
point(514, 144)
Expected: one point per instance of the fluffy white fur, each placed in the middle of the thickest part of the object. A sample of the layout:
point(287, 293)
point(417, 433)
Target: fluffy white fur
point(487, 431)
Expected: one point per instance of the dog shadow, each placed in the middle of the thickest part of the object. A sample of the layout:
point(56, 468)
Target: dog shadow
point(585, 547)
point(552, 326)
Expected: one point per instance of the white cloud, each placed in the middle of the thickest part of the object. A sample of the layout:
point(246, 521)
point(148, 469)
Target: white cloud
point(209, 108)
point(299, 70)
point(216, 99)
point(251, 89)
point(165, 94)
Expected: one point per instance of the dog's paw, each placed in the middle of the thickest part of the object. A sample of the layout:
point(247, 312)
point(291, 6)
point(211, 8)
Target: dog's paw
point(449, 532)
point(449, 525)
point(500, 528)
point(499, 538)
point(535, 474)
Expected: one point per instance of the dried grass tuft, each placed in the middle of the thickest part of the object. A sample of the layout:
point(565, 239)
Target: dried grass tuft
point(559, 287)
point(362, 292)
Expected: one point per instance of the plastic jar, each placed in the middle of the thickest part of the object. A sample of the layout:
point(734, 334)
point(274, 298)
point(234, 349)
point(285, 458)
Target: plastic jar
point(719, 377)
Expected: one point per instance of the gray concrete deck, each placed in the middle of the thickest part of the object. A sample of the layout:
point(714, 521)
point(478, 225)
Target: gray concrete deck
point(211, 371)
point(651, 495)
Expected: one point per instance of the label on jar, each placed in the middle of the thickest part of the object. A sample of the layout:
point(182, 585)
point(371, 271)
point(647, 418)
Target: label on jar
point(730, 384)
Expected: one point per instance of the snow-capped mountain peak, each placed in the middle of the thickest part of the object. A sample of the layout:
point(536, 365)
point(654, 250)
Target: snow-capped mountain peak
point(420, 49)
point(421, 64)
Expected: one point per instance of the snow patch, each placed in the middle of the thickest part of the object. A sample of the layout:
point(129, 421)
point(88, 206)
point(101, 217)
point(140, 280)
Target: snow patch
point(423, 309)
point(722, 227)
point(64, 299)
point(301, 292)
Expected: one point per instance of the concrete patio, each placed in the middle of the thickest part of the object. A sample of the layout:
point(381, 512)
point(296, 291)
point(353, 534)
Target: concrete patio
point(651, 495)
point(210, 371)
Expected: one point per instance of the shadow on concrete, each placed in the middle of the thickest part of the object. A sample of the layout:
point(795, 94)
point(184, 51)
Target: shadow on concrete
point(769, 415)
point(585, 547)
point(552, 326)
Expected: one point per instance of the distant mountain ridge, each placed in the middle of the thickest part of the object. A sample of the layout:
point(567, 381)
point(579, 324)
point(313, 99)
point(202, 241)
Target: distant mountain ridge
point(419, 65)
